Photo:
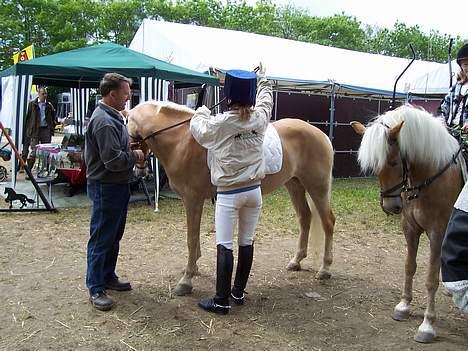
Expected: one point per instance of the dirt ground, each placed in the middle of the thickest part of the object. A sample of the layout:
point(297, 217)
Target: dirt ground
point(44, 302)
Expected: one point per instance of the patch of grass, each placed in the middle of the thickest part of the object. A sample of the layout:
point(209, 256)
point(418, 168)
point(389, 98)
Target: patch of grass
point(355, 202)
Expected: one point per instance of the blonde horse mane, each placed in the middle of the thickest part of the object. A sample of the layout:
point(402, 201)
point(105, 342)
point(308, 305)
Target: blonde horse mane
point(423, 138)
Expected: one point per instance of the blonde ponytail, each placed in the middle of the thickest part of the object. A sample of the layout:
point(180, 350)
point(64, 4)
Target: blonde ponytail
point(245, 112)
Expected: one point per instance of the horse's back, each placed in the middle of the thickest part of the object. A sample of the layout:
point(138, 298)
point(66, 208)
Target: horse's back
point(303, 139)
point(307, 156)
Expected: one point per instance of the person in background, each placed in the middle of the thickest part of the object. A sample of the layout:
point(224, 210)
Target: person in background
point(110, 161)
point(39, 126)
point(454, 107)
point(235, 140)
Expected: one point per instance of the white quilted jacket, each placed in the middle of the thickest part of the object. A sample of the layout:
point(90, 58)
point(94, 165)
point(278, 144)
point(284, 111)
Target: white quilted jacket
point(236, 146)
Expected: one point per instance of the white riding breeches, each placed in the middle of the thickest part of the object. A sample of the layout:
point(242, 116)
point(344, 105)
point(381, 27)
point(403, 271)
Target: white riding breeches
point(242, 208)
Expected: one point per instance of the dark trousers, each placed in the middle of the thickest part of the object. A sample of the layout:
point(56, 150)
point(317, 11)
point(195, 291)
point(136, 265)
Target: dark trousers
point(454, 255)
point(108, 217)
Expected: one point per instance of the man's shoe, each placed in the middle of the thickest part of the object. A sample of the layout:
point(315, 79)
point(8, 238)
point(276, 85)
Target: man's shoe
point(210, 305)
point(101, 301)
point(118, 285)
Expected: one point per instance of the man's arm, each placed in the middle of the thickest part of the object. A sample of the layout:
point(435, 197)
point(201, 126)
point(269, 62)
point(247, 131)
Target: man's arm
point(110, 151)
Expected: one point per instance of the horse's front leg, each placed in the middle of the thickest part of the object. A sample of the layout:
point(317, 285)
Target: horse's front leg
point(402, 310)
point(193, 209)
point(426, 332)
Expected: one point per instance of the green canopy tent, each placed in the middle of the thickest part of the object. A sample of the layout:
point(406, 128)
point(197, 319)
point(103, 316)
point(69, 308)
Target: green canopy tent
point(84, 67)
point(81, 69)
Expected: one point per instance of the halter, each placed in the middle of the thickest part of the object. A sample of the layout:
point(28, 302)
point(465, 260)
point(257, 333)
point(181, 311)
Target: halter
point(412, 192)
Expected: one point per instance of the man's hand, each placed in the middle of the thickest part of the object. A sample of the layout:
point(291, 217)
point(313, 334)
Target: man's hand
point(261, 71)
point(465, 128)
point(140, 155)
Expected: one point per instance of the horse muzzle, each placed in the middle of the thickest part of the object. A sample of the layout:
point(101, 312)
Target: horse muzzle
point(391, 206)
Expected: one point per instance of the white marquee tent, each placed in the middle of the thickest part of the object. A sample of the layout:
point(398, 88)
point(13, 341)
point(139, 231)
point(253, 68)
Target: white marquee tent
point(435, 81)
point(292, 64)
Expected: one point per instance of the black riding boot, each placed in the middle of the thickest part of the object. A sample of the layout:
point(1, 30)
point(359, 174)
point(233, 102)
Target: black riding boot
point(220, 302)
point(244, 264)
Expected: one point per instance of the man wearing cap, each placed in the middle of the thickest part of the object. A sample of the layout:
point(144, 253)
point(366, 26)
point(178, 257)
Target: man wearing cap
point(454, 105)
point(234, 140)
point(454, 255)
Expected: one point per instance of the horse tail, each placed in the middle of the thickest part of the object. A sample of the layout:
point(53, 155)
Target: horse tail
point(31, 201)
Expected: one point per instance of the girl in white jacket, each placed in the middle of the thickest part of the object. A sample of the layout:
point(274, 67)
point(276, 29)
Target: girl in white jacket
point(235, 142)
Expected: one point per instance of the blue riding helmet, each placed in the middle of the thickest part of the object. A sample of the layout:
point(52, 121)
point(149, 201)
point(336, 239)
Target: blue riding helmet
point(240, 87)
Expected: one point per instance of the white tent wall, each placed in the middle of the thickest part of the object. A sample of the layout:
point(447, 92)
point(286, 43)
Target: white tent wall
point(15, 97)
point(435, 81)
point(80, 100)
point(290, 63)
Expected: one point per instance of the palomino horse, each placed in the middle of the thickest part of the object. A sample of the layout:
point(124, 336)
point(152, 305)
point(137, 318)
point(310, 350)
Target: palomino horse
point(307, 168)
point(416, 161)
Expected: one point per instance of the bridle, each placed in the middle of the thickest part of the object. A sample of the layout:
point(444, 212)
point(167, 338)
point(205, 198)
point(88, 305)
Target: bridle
point(412, 192)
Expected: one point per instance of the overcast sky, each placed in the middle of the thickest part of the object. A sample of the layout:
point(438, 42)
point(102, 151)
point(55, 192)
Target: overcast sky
point(448, 17)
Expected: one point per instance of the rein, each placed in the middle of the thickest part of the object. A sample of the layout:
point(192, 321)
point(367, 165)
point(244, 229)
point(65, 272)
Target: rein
point(164, 129)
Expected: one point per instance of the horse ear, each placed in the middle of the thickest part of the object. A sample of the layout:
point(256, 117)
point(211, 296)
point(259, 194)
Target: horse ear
point(394, 132)
point(358, 127)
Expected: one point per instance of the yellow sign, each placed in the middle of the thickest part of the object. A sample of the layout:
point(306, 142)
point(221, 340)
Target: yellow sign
point(24, 55)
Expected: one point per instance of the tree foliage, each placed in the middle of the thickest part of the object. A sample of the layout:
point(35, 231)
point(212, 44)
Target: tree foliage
point(58, 25)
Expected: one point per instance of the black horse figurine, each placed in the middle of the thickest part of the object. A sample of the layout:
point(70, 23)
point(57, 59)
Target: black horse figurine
point(13, 196)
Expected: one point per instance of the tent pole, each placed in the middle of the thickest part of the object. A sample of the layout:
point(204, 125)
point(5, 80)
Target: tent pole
point(276, 105)
point(332, 113)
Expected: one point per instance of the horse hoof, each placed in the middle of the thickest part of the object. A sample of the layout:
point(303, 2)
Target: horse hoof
point(323, 275)
point(293, 266)
point(424, 337)
point(400, 315)
point(182, 290)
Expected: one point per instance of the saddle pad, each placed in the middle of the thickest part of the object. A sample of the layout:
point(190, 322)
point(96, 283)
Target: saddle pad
point(272, 151)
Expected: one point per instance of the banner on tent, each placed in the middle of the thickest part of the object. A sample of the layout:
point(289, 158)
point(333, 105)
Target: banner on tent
point(26, 54)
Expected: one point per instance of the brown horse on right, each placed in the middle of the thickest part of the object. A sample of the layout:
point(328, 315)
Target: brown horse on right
point(418, 166)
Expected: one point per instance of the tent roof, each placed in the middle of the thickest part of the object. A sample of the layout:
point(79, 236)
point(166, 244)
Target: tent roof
point(85, 67)
point(293, 64)
point(434, 82)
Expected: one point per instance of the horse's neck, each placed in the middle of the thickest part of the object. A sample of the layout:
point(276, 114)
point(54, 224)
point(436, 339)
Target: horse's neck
point(419, 172)
point(174, 144)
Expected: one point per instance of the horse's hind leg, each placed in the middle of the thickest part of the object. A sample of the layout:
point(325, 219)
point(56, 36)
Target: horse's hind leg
point(298, 198)
point(321, 198)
